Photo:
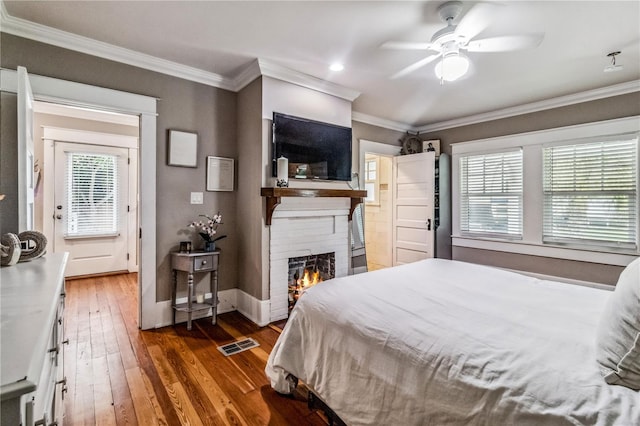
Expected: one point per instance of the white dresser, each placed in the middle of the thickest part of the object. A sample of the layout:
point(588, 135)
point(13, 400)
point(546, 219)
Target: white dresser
point(32, 340)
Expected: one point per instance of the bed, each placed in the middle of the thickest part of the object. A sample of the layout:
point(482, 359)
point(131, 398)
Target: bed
point(441, 342)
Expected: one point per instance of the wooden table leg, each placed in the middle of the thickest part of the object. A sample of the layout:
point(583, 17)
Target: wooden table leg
point(189, 299)
point(173, 295)
point(214, 296)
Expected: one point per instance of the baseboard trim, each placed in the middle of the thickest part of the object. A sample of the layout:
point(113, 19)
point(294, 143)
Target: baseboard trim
point(229, 300)
point(256, 310)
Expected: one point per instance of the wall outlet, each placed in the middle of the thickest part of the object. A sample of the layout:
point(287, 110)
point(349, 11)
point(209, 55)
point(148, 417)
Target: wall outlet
point(197, 198)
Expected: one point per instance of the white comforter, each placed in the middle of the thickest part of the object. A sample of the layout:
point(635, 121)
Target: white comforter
point(440, 342)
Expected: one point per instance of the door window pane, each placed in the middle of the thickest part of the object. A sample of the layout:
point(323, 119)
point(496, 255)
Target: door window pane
point(91, 194)
point(371, 181)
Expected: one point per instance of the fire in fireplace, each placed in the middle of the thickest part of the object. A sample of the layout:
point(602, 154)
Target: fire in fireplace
point(307, 271)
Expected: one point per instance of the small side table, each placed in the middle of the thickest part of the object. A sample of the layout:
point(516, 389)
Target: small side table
point(195, 262)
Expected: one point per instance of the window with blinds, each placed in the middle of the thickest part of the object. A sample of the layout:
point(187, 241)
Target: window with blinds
point(92, 195)
point(371, 180)
point(590, 193)
point(491, 194)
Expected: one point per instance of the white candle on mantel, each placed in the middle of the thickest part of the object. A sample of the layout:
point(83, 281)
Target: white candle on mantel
point(283, 169)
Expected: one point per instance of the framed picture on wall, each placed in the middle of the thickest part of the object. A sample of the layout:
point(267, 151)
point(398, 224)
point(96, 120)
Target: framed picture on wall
point(431, 145)
point(220, 174)
point(182, 149)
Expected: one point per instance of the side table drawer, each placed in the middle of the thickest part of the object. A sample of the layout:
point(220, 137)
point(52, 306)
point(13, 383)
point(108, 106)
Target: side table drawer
point(204, 263)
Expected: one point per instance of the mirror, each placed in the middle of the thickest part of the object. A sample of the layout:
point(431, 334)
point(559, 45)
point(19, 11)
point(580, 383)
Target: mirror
point(358, 252)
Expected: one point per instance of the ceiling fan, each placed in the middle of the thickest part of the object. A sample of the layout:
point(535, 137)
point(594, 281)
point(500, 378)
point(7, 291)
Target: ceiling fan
point(449, 43)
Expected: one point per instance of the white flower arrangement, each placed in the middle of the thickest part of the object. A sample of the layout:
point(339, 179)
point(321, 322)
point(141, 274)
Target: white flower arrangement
point(208, 228)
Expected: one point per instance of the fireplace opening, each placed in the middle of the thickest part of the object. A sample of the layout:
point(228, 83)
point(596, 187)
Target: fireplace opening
point(307, 271)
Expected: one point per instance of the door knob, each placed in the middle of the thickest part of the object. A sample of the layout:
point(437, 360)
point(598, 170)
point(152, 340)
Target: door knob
point(428, 224)
point(58, 216)
point(59, 207)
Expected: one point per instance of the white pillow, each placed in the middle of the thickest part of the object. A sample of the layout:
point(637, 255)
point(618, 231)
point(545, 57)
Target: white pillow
point(618, 337)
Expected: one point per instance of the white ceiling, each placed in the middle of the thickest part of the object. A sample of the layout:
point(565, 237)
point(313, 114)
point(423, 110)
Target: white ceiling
point(224, 37)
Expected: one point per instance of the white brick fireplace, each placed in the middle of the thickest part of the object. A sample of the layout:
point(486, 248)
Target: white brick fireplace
point(304, 226)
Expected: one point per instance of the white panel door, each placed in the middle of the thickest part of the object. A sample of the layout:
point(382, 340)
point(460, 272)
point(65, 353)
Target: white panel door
point(413, 207)
point(26, 177)
point(90, 207)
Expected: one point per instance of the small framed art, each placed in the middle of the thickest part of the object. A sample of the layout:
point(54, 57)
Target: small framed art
point(220, 174)
point(431, 145)
point(183, 149)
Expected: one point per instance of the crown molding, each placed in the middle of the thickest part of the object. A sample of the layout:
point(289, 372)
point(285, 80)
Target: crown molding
point(269, 69)
point(381, 122)
point(246, 76)
point(30, 30)
point(42, 33)
point(262, 67)
point(561, 101)
point(48, 35)
point(4, 14)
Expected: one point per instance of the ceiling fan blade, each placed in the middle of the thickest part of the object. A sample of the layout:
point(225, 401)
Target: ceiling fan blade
point(505, 43)
point(407, 45)
point(475, 20)
point(415, 66)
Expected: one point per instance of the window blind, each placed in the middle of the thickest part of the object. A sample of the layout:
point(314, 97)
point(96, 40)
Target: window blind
point(92, 195)
point(590, 193)
point(491, 194)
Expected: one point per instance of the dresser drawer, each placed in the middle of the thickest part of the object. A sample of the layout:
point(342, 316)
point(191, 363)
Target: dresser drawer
point(205, 263)
point(195, 262)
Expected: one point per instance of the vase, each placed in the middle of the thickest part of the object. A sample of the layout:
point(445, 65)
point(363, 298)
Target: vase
point(209, 246)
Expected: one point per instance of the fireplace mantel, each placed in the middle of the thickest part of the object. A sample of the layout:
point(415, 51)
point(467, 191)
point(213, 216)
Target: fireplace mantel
point(273, 196)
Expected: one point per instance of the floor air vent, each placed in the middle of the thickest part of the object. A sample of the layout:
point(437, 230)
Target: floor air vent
point(237, 347)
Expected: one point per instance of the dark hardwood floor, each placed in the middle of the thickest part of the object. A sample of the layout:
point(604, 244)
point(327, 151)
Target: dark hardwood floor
point(120, 375)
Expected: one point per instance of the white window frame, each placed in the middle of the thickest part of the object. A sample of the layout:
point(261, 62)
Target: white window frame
point(532, 144)
point(372, 199)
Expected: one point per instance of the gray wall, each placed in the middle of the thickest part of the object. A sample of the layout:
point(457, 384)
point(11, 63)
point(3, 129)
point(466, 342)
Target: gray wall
point(372, 133)
point(250, 255)
point(375, 134)
point(182, 105)
point(598, 110)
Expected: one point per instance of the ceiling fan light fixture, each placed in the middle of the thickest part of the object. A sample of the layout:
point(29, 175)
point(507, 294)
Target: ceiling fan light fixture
point(452, 66)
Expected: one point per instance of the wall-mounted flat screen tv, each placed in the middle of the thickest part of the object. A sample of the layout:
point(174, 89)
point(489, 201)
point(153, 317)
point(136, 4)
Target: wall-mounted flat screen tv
point(315, 150)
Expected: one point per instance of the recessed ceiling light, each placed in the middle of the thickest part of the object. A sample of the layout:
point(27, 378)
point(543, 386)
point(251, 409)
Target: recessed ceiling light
point(336, 66)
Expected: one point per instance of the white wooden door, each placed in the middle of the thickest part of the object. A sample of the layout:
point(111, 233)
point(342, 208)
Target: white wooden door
point(26, 176)
point(90, 207)
point(413, 207)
